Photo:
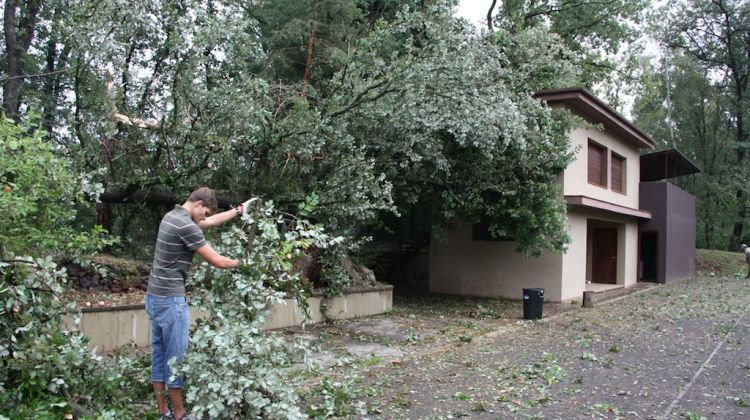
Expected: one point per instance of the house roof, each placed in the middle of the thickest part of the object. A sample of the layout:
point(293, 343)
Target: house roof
point(594, 109)
point(666, 164)
point(593, 203)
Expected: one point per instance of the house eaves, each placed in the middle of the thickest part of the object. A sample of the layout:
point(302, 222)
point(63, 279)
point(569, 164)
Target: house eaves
point(594, 204)
point(595, 111)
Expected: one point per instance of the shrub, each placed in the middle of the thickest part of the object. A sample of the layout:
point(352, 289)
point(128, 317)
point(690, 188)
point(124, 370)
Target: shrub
point(45, 368)
point(233, 367)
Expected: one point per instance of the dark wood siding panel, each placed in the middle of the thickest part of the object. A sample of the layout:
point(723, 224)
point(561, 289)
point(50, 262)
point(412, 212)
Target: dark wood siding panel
point(597, 164)
point(618, 167)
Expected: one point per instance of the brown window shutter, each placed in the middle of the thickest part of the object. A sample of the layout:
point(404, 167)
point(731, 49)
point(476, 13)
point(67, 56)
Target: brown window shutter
point(597, 165)
point(617, 165)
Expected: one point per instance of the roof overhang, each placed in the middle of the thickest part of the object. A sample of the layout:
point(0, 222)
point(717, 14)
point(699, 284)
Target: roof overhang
point(666, 164)
point(592, 203)
point(596, 111)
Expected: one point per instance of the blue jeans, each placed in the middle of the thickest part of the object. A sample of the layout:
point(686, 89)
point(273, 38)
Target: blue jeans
point(170, 323)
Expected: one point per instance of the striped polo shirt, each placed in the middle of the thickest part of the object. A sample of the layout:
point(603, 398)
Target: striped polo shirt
point(176, 243)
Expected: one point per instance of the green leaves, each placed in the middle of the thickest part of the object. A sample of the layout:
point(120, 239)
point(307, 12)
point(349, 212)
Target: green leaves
point(450, 123)
point(306, 208)
point(40, 196)
point(46, 365)
point(233, 368)
point(705, 85)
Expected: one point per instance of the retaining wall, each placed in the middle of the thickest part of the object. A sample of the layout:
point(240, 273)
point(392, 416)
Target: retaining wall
point(109, 328)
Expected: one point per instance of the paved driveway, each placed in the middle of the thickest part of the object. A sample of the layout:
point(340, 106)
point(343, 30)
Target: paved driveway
point(676, 351)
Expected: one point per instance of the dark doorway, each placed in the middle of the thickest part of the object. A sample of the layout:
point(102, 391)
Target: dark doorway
point(604, 257)
point(649, 241)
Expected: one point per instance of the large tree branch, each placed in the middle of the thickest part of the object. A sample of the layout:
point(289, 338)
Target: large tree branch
point(362, 97)
point(135, 122)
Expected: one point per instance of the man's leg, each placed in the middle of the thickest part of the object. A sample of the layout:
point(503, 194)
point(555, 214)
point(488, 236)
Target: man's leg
point(160, 391)
point(177, 348)
point(175, 395)
point(158, 309)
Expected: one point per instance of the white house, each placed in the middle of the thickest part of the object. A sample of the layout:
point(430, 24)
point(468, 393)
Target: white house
point(601, 190)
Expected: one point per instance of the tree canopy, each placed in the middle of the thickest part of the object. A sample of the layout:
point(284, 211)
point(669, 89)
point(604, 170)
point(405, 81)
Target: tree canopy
point(377, 107)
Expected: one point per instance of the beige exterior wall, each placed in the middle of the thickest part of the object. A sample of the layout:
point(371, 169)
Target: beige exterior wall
point(462, 266)
point(576, 175)
point(575, 272)
point(573, 267)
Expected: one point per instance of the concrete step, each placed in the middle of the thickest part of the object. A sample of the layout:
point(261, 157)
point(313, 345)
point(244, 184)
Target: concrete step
point(592, 298)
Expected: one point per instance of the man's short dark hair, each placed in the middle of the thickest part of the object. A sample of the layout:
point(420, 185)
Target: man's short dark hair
point(205, 194)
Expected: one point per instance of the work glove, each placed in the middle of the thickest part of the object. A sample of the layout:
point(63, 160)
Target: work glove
point(246, 205)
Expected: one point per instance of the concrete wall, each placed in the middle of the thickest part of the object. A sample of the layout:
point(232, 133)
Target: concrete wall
point(576, 175)
point(109, 328)
point(462, 266)
point(673, 218)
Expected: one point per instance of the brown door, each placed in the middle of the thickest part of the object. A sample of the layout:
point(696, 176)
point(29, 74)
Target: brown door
point(604, 264)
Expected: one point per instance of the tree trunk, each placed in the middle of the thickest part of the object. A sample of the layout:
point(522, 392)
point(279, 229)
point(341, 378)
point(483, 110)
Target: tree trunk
point(489, 16)
point(107, 154)
point(18, 36)
point(10, 87)
point(740, 80)
point(54, 61)
point(104, 215)
point(103, 209)
point(739, 224)
point(310, 48)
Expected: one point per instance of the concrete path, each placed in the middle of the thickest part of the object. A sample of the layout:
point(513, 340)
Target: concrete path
point(677, 351)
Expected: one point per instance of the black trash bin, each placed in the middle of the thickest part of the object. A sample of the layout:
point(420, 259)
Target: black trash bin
point(533, 300)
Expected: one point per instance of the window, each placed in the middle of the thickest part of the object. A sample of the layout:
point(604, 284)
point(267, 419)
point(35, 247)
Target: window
point(597, 165)
point(617, 179)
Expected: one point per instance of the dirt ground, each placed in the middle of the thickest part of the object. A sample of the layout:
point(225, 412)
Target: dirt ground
point(674, 351)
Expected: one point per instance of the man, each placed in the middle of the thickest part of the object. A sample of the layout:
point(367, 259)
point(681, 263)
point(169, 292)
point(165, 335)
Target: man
point(746, 250)
point(180, 237)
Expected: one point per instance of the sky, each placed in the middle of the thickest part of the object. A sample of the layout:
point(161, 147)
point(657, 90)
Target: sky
point(475, 11)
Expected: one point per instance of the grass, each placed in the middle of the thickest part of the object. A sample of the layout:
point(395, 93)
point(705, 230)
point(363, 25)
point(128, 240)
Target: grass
point(708, 261)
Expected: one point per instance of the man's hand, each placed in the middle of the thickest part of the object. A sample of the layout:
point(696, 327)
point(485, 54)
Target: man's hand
point(214, 258)
point(244, 265)
point(246, 205)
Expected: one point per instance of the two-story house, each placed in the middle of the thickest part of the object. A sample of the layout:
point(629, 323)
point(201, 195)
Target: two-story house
point(601, 190)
